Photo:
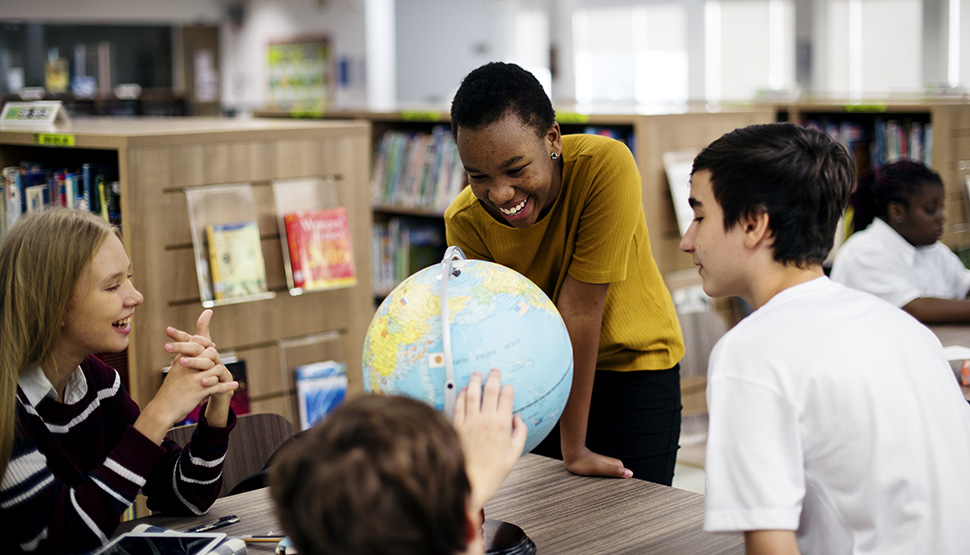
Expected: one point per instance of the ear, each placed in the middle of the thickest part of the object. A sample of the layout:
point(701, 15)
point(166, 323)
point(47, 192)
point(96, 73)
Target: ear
point(554, 138)
point(896, 211)
point(755, 228)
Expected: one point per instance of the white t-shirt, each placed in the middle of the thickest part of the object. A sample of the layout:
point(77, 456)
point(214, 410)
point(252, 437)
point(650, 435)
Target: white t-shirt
point(836, 415)
point(878, 260)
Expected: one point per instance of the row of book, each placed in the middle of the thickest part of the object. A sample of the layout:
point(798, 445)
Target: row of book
point(883, 142)
point(32, 186)
point(417, 170)
point(401, 247)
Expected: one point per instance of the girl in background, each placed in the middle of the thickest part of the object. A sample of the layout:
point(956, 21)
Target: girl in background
point(75, 449)
point(896, 253)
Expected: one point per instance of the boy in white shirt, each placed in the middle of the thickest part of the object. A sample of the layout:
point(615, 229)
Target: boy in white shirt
point(836, 423)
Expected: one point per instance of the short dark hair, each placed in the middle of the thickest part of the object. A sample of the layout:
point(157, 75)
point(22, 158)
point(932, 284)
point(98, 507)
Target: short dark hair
point(380, 474)
point(896, 182)
point(491, 91)
point(801, 177)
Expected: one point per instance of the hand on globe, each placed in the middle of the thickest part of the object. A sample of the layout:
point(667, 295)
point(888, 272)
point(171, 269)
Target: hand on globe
point(492, 438)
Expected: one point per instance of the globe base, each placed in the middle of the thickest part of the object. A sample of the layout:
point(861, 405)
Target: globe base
point(502, 538)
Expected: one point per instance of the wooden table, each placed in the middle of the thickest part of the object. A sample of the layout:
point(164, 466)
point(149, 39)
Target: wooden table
point(954, 334)
point(560, 512)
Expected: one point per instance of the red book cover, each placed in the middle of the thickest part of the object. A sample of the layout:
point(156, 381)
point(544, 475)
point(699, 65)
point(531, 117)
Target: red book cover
point(321, 254)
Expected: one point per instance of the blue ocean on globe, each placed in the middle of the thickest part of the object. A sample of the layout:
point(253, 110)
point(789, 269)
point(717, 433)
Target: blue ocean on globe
point(498, 319)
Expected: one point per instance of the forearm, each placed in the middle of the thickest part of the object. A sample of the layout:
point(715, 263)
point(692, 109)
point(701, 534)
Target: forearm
point(770, 542)
point(575, 416)
point(933, 310)
point(581, 307)
point(217, 410)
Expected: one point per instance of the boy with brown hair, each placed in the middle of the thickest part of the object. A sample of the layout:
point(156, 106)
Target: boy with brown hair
point(836, 425)
point(389, 474)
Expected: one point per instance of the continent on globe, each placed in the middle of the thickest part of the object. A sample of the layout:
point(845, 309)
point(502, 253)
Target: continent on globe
point(497, 318)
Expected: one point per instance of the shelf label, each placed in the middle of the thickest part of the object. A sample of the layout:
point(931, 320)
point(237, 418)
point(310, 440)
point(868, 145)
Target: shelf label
point(421, 115)
point(866, 108)
point(54, 139)
point(572, 117)
point(32, 113)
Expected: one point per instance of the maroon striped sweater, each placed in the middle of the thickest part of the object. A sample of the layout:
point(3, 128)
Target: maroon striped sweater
point(76, 468)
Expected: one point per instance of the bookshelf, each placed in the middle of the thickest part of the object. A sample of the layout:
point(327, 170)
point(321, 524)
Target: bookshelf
point(648, 135)
point(158, 160)
point(949, 148)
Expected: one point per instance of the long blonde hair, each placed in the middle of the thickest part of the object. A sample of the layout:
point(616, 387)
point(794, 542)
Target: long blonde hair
point(41, 259)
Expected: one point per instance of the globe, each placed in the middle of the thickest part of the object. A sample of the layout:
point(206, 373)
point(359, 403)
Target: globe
point(498, 319)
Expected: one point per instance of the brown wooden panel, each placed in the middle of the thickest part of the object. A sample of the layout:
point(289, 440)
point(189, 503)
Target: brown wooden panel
point(284, 405)
point(262, 370)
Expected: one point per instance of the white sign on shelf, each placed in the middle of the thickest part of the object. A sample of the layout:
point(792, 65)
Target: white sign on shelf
point(33, 113)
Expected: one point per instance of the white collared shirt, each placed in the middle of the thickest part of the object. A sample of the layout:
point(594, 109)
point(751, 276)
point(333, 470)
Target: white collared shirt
point(879, 261)
point(36, 386)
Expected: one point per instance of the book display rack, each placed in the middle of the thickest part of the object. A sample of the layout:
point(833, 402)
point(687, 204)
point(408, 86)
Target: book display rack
point(225, 240)
point(161, 163)
point(315, 234)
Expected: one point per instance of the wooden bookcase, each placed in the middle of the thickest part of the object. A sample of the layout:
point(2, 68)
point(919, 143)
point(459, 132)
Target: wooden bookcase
point(650, 134)
point(950, 120)
point(158, 160)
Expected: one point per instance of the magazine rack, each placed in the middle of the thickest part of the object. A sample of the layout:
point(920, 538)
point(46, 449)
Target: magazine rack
point(315, 235)
point(223, 221)
point(303, 351)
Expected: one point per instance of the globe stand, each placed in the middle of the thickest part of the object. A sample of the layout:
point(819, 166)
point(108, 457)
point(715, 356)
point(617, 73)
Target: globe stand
point(500, 538)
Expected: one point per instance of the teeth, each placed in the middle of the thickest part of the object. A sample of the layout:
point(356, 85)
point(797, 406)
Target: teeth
point(122, 323)
point(515, 209)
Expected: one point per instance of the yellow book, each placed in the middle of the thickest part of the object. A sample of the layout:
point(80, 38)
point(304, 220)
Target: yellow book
point(235, 260)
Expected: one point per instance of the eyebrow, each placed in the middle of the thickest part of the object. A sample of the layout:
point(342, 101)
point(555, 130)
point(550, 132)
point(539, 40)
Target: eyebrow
point(114, 276)
point(510, 162)
point(694, 203)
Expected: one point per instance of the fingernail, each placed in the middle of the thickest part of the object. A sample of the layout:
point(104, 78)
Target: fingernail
point(627, 473)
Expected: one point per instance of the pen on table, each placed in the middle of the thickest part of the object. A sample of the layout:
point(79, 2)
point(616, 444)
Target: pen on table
point(224, 521)
point(262, 539)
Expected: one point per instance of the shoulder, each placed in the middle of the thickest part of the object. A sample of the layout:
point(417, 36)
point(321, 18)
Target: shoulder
point(583, 145)
point(100, 376)
point(463, 207)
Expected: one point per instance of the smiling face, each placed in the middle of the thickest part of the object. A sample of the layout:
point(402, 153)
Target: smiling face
point(98, 319)
point(921, 222)
point(715, 251)
point(510, 169)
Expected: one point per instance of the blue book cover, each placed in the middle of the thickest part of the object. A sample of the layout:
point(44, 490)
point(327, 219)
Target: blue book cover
point(320, 388)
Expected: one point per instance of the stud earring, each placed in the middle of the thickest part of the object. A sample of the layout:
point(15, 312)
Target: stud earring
point(554, 156)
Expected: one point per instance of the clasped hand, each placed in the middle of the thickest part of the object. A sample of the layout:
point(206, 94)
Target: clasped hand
point(196, 375)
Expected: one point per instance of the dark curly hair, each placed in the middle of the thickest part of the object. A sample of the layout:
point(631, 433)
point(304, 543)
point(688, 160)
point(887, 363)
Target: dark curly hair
point(491, 91)
point(802, 177)
point(896, 182)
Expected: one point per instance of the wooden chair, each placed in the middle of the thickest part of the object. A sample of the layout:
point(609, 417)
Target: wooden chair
point(255, 438)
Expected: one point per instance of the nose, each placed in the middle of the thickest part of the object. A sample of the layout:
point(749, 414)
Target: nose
point(501, 192)
point(135, 298)
point(687, 241)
